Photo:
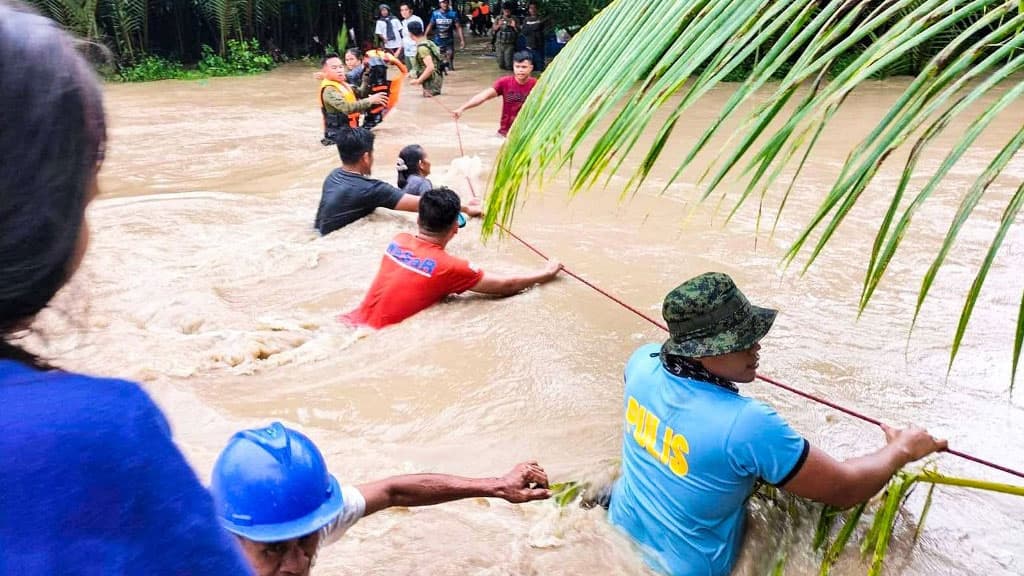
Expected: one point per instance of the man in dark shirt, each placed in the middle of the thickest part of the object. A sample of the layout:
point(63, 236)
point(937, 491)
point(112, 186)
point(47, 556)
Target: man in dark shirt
point(348, 192)
point(533, 33)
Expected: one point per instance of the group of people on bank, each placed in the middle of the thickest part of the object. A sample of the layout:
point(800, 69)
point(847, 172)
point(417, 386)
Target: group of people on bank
point(94, 484)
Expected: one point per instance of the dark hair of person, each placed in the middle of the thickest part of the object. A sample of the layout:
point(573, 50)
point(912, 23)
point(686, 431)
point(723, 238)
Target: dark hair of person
point(415, 28)
point(406, 4)
point(522, 56)
point(353, 143)
point(410, 156)
point(508, 6)
point(439, 210)
point(52, 140)
point(355, 52)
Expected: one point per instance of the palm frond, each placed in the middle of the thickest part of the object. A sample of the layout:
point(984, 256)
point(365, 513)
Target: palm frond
point(593, 105)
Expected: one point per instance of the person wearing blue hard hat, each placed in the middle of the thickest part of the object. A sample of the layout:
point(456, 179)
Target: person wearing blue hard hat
point(273, 491)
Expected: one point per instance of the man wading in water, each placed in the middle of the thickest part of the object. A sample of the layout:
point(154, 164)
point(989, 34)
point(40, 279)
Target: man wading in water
point(513, 91)
point(416, 272)
point(350, 194)
point(427, 65)
point(693, 447)
point(340, 103)
point(273, 491)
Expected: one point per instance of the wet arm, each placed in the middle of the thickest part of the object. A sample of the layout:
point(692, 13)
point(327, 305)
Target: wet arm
point(478, 99)
point(424, 490)
point(855, 480)
point(527, 481)
point(408, 203)
point(499, 285)
point(428, 68)
point(338, 102)
point(411, 203)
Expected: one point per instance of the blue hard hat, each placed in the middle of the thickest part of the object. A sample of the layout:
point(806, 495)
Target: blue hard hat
point(271, 484)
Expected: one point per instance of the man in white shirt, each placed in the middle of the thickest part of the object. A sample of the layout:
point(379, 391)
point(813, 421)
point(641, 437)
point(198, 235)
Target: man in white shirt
point(273, 491)
point(408, 44)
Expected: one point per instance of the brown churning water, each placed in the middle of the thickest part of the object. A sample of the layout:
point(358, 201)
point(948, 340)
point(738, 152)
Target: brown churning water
point(207, 282)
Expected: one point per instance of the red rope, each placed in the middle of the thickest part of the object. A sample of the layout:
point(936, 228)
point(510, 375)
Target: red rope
point(762, 377)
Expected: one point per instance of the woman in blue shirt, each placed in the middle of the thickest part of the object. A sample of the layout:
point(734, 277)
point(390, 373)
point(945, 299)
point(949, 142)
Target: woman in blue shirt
point(92, 482)
point(693, 447)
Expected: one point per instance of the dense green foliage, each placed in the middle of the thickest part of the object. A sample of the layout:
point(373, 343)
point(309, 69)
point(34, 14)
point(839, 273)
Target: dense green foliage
point(242, 58)
point(151, 68)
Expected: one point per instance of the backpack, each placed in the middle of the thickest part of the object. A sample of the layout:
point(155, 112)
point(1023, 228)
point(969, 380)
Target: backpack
point(435, 54)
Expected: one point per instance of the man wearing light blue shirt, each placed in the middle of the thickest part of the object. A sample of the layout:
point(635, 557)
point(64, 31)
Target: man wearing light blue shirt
point(694, 448)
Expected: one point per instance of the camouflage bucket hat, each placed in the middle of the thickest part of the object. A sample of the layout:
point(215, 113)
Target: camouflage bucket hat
point(709, 316)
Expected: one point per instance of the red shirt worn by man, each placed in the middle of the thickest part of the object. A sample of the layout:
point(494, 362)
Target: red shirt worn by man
point(513, 95)
point(414, 275)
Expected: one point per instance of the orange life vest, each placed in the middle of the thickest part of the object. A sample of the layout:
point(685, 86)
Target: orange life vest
point(335, 120)
point(395, 86)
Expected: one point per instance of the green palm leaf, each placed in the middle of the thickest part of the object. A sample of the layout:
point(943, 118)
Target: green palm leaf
point(223, 14)
point(593, 105)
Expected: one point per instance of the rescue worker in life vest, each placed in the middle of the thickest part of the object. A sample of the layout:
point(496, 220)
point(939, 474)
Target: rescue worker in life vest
point(342, 103)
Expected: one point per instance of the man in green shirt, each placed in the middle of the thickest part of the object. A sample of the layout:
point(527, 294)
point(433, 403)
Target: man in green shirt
point(341, 103)
point(428, 67)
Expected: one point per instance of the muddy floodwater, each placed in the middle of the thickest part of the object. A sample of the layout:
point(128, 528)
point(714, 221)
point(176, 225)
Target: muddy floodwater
point(206, 282)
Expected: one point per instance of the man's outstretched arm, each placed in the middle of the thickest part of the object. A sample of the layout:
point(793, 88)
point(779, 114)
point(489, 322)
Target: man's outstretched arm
point(411, 203)
point(508, 285)
point(477, 99)
point(855, 480)
point(526, 482)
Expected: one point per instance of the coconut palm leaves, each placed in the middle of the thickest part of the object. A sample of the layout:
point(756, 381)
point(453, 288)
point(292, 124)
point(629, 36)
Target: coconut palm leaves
point(224, 15)
point(596, 105)
point(875, 543)
point(79, 16)
point(127, 20)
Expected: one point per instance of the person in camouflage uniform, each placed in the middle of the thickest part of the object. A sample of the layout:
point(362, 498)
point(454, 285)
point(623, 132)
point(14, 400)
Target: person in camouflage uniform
point(427, 65)
point(694, 448)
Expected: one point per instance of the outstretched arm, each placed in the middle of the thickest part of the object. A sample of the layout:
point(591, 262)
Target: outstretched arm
point(335, 99)
point(411, 203)
point(527, 481)
point(853, 481)
point(509, 285)
point(477, 99)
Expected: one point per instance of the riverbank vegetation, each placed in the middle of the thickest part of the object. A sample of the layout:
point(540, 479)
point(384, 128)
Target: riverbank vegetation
point(136, 40)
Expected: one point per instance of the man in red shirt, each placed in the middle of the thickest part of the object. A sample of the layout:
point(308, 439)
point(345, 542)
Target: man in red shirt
point(513, 91)
point(416, 272)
